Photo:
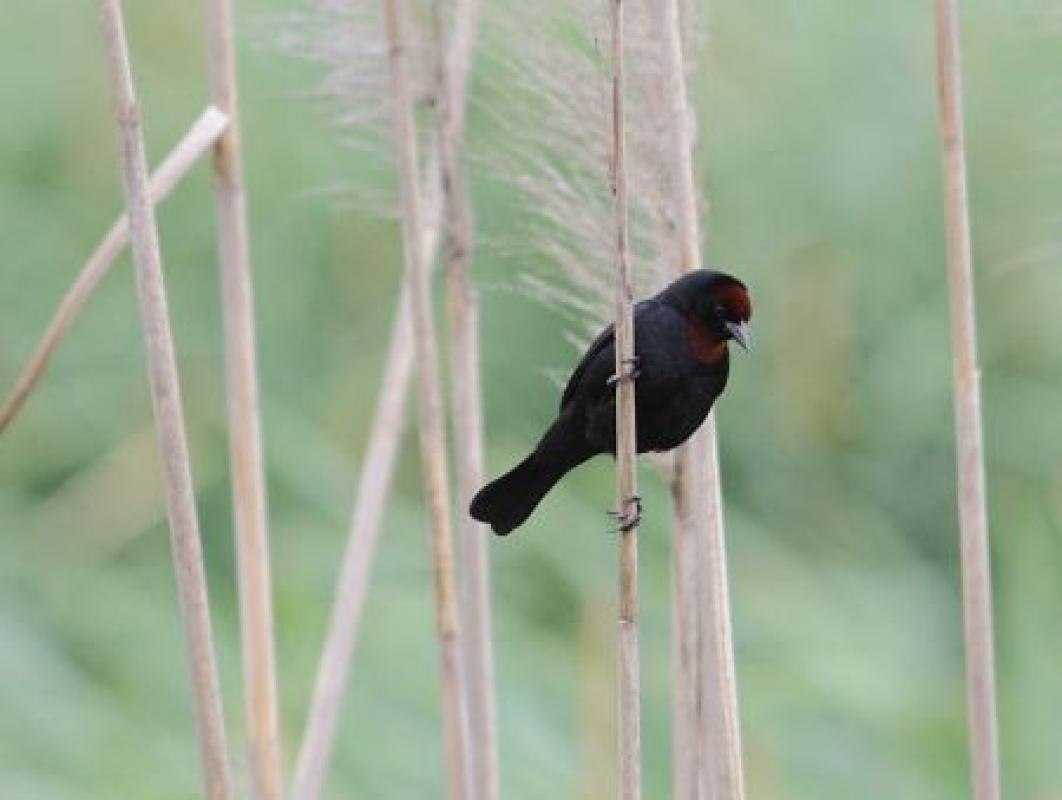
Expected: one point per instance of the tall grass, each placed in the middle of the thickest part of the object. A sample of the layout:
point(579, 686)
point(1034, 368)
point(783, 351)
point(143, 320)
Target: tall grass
point(627, 503)
point(783, 756)
point(969, 437)
point(245, 426)
point(708, 746)
point(340, 36)
point(169, 416)
point(452, 68)
point(431, 431)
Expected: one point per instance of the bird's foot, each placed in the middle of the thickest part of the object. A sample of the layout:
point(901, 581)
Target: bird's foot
point(626, 521)
point(633, 373)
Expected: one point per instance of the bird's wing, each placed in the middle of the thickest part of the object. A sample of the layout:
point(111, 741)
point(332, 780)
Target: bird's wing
point(598, 362)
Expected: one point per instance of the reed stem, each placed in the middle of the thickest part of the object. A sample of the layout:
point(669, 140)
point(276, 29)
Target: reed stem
point(627, 503)
point(245, 426)
point(467, 408)
point(969, 441)
point(707, 740)
point(169, 417)
point(432, 432)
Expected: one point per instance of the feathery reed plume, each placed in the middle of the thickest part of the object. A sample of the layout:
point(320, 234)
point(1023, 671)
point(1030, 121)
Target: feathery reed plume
point(547, 146)
point(166, 399)
point(432, 432)
point(328, 39)
point(467, 409)
point(245, 427)
point(627, 503)
point(973, 514)
point(698, 533)
point(199, 138)
point(344, 39)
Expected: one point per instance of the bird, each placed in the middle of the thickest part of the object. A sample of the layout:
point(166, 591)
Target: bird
point(681, 364)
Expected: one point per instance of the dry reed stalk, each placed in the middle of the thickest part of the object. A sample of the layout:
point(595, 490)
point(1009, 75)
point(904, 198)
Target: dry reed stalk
point(707, 760)
point(721, 729)
point(973, 515)
point(374, 484)
point(432, 432)
point(548, 147)
point(166, 400)
point(467, 410)
point(245, 427)
point(627, 503)
point(684, 642)
point(199, 138)
point(687, 478)
point(352, 585)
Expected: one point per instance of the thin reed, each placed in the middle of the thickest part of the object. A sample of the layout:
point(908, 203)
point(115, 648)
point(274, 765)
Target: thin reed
point(245, 425)
point(969, 439)
point(431, 430)
point(467, 407)
point(169, 417)
point(627, 504)
point(708, 746)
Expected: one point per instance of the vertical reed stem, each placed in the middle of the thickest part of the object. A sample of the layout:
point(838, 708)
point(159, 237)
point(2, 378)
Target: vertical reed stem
point(467, 411)
point(431, 424)
point(707, 745)
point(169, 417)
point(627, 503)
point(721, 731)
point(245, 435)
point(685, 649)
point(973, 515)
point(353, 584)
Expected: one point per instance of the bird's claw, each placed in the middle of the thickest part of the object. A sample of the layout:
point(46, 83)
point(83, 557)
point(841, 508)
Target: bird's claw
point(627, 522)
point(634, 373)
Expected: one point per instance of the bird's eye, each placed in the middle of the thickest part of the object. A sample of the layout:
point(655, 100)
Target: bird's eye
point(719, 310)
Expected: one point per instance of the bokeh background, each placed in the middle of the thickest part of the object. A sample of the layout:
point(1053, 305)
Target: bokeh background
point(820, 157)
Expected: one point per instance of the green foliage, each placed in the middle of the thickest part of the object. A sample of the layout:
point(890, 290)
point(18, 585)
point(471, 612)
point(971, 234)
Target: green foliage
point(820, 158)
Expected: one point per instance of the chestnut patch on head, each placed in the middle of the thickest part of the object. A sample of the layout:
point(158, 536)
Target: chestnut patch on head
point(734, 298)
point(708, 346)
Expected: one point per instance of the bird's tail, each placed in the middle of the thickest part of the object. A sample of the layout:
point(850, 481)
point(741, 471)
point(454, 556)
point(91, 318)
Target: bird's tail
point(506, 502)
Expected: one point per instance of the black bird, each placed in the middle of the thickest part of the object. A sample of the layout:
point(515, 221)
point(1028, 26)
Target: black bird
point(680, 346)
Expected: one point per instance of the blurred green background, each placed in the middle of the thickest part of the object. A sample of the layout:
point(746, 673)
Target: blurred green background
point(820, 155)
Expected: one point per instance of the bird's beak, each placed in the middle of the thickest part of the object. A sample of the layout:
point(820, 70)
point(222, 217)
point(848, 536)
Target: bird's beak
point(739, 332)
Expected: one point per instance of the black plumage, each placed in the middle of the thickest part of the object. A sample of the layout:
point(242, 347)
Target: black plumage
point(682, 364)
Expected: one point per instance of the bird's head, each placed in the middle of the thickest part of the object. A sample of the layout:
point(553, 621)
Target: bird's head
point(719, 302)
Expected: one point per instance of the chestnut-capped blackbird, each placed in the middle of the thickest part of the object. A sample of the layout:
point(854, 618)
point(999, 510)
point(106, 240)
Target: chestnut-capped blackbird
point(681, 366)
